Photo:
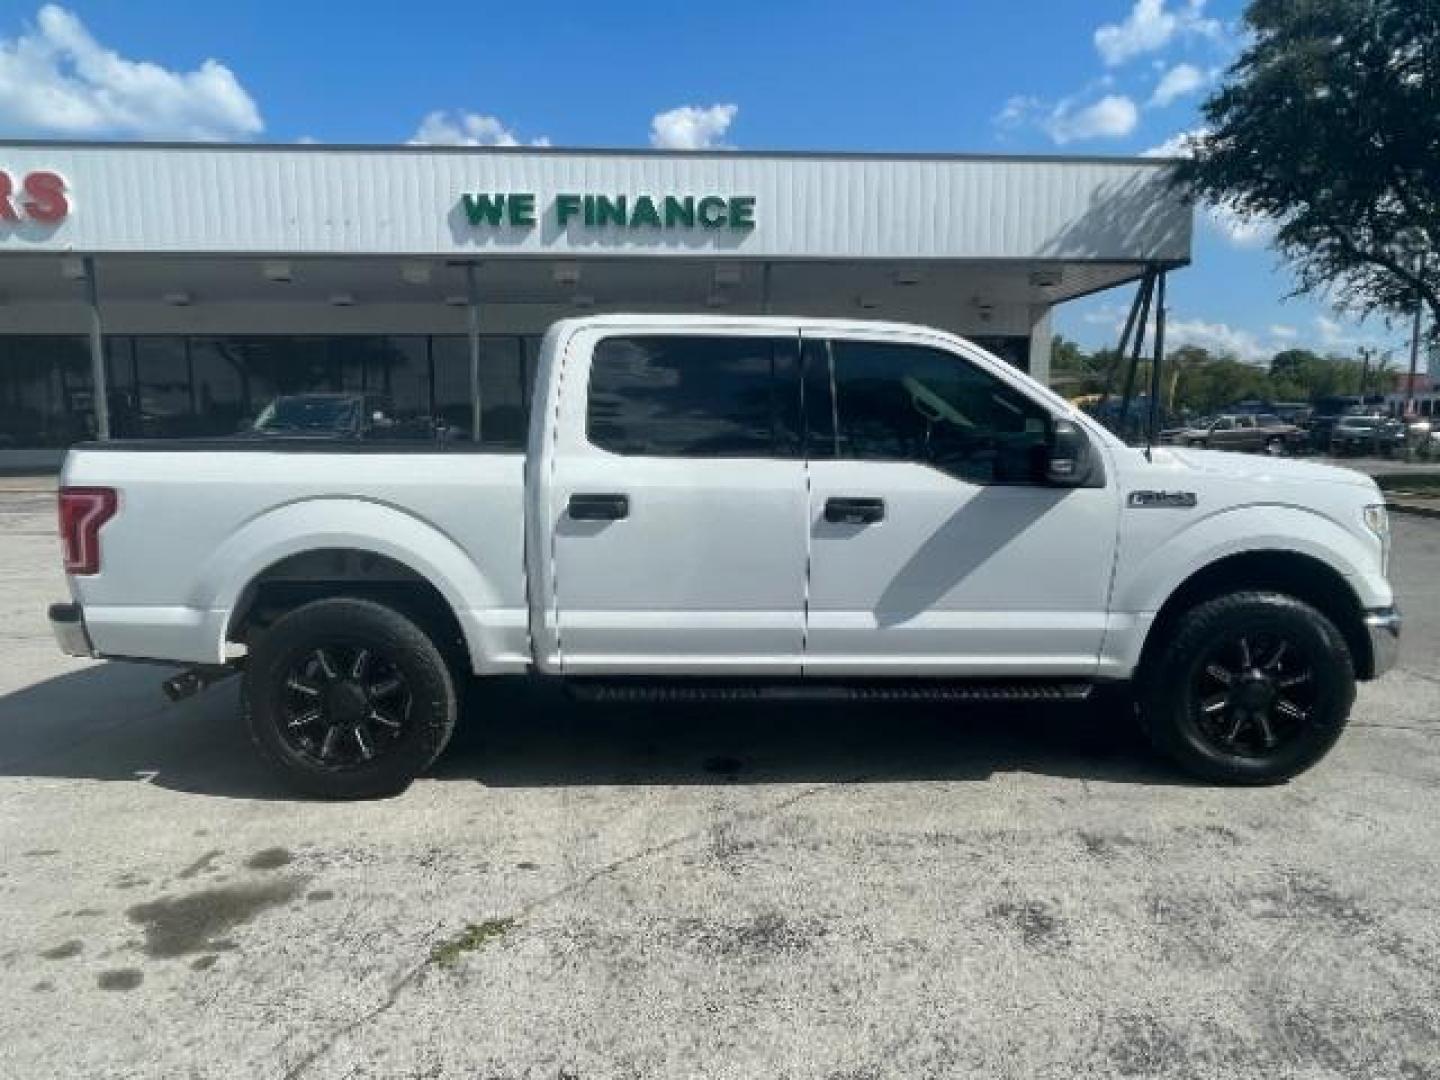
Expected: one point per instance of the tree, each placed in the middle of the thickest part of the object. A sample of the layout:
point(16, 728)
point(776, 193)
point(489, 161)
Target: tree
point(1292, 365)
point(1329, 124)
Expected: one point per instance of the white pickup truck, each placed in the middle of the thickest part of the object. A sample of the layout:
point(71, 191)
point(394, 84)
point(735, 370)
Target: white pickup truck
point(739, 506)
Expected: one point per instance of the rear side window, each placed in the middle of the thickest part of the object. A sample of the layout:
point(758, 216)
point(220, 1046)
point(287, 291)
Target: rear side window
point(695, 396)
point(912, 403)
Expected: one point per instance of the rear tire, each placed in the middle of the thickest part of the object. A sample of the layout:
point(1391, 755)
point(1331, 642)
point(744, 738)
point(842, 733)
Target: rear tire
point(348, 699)
point(1252, 688)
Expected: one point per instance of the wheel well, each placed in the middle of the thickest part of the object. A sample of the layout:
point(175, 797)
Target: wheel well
point(1289, 572)
point(328, 572)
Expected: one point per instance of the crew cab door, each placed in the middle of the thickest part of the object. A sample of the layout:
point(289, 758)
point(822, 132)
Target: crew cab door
point(676, 503)
point(936, 546)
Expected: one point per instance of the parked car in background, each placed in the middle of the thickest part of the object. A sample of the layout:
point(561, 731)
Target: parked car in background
point(1328, 412)
point(1263, 433)
point(336, 416)
point(1379, 435)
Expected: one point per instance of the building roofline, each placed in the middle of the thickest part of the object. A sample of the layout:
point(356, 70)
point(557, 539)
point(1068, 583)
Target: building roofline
point(586, 151)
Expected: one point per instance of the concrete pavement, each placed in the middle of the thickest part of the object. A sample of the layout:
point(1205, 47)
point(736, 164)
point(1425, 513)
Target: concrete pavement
point(583, 891)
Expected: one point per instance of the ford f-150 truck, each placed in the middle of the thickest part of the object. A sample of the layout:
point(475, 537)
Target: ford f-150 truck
point(739, 507)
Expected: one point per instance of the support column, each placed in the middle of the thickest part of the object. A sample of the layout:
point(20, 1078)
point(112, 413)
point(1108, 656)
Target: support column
point(1152, 424)
point(472, 290)
point(1041, 341)
point(100, 392)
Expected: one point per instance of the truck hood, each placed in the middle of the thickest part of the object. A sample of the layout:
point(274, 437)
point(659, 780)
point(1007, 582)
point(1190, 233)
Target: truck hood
point(1257, 468)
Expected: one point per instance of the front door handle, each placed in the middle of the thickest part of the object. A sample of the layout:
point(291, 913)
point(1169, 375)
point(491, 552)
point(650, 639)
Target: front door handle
point(852, 511)
point(595, 506)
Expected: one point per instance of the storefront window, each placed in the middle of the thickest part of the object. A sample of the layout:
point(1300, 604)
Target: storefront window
point(503, 412)
point(221, 389)
point(398, 369)
point(1014, 350)
point(45, 395)
point(170, 386)
point(163, 402)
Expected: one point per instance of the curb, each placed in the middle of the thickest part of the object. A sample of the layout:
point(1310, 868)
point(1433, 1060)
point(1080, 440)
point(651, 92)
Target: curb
point(1413, 509)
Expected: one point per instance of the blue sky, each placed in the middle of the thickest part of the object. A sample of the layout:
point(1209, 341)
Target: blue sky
point(1089, 77)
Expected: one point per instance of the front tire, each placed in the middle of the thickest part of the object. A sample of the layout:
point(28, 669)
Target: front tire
point(1252, 688)
point(348, 699)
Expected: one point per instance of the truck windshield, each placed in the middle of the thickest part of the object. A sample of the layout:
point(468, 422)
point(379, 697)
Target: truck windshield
point(308, 413)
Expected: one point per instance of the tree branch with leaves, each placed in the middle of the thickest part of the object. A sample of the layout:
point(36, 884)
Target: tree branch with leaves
point(1329, 125)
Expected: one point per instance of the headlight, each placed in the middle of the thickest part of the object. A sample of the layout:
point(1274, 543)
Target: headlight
point(1377, 520)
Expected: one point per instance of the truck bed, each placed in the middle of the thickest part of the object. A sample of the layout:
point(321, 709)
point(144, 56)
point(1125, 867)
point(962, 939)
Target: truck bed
point(199, 519)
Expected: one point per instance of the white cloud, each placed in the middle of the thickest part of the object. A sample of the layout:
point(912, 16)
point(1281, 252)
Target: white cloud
point(440, 128)
point(56, 79)
point(1336, 335)
point(1114, 116)
point(692, 127)
point(1240, 229)
point(1216, 337)
point(1178, 145)
point(1330, 335)
point(1151, 26)
point(1180, 81)
point(1105, 315)
point(1019, 110)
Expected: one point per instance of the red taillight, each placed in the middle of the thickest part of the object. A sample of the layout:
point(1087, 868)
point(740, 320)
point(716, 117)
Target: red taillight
point(82, 511)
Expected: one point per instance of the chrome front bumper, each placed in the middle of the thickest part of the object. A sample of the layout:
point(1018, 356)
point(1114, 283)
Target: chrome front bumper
point(1384, 628)
point(67, 623)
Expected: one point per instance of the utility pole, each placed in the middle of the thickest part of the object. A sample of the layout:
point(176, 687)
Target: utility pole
point(1414, 350)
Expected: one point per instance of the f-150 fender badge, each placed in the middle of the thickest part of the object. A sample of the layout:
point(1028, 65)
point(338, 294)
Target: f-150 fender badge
point(1161, 500)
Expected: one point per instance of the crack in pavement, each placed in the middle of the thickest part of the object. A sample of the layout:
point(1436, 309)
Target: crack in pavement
point(412, 973)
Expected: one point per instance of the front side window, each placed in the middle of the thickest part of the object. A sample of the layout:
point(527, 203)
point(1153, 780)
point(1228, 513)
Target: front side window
point(912, 403)
point(692, 396)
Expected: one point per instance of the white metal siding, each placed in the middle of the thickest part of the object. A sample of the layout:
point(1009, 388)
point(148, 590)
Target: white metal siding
point(321, 201)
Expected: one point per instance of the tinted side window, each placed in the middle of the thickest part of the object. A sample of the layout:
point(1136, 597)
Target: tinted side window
point(910, 403)
point(670, 396)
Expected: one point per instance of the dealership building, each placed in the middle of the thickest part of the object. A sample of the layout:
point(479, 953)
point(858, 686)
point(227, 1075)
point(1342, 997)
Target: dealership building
point(194, 283)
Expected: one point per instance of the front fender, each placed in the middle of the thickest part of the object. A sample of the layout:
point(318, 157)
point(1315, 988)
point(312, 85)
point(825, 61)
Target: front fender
point(1144, 582)
point(361, 525)
point(1154, 563)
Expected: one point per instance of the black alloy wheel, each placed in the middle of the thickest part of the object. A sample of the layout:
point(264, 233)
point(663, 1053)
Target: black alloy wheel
point(1253, 693)
point(347, 698)
point(344, 705)
point(1250, 688)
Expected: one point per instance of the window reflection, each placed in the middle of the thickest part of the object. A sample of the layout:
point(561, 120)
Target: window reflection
point(503, 399)
point(679, 396)
point(909, 403)
point(167, 386)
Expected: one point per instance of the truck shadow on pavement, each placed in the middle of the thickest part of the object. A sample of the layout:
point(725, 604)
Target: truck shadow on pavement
point(110, 722)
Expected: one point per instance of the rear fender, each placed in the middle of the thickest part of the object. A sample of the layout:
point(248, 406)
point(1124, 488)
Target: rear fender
point(359, 525)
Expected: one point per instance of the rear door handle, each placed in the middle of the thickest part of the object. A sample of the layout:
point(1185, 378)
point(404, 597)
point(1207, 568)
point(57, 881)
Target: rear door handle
point(595, 506)
point(853, 511)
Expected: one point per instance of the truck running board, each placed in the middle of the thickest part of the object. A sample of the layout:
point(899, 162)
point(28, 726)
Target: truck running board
point(640, 690)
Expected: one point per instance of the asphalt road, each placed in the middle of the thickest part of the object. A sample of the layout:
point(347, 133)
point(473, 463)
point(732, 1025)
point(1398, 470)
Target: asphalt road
point(708, 892)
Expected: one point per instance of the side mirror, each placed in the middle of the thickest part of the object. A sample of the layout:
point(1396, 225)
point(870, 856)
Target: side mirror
point(1069, 463)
